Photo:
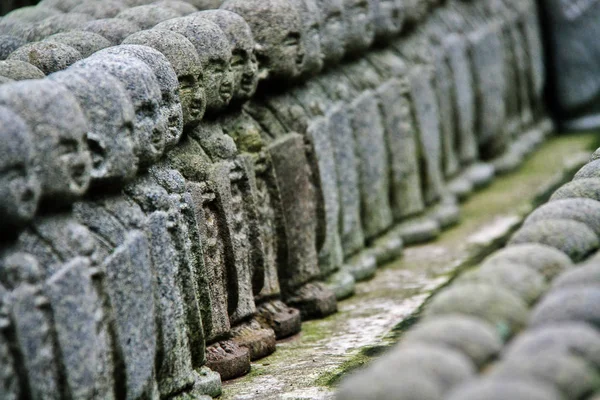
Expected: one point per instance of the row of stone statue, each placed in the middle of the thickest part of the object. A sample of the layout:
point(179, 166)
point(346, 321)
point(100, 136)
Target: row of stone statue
point(168, 222)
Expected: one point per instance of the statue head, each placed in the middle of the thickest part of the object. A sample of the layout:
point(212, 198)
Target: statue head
point(214, 51)
point(182, 7)
point(19, 70)
point(389, 18)
point(167, 81)
point(110, 114)
point(60, 5)
point(277, 29)
point(19, 185)
point(148, 16)
point(360, 28)
point(243, 61)
point(184, 59)
point(150, 125)
point(18, 269)
point(56, 24)
point(115, 30)
point(99, 9)
point(312, 19)
point(86, 43)
point(415, 11)
point(47, 56)
point(333, 31)
point(58, 125)
point(31, 14)
point(8, 44)
point(149, 194)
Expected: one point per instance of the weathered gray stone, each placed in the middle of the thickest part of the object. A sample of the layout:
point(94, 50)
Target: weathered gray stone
point(520, 279)
point(277, 29)
point(446, 367)
point(498, 306)
point(546, 260)
point(18, 29)
point(182, 7)
point(312, 19)
point(31, 14)
point(586, 211)
point(19, 70)
point(472, 337)
point(9, 378)
point(499, 388)
point(416, 11)
point(333, 31)
point(215, 57)
point(32, 325)
point(148, 16)
point(86, 43)
point(47, 56)
point(359, 23)
point(389, 19)
point(590, 170)
point(61, 5)
point(586, 275)
point(62, 161)
point(573, 238)
point(8, 44)
point(184, 59)
point(20, 188)
point(150, 125)
point(388, 385)
point(110, 115)
point(205, 4)
point(244, 63)
point(568, 304)
point(115, 30)
point(568, 374)
point(167, 81)
point(99, 10)
point(56, 24)
point(570, 337)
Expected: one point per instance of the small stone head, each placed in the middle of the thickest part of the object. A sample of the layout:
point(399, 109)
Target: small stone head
point(312, 19)
point(277, 29)
point(31, 14)
point(99, 9)
point(58, 126)
point(182, 7)
point(19, 70)
point(184, 59)
point(110, 114)
point(214, 51)
point(19, 186)
point(416, 10)
point(149, 194)
point(389, 18)
point(148, 16)
point(18, 269)
point(115, 30)
point(86, 43)
point(56, 24)
point(61, 5)
point(243, 63)
point(167, 80)
point(49, 57)
point(333, 31)
point(8, 44)
point(150, 126)
point(360, 27)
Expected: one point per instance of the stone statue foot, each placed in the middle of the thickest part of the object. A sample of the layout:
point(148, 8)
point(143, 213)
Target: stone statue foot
point(446, 212)
point(207, 384)
point(314, 300)
point(228, 359)
point(480, 174)
point(342, 283)
point(461, 187)
point(418, 230)
point(362, 266)
point(259, 341)
point(387, 248)
point(284, 320)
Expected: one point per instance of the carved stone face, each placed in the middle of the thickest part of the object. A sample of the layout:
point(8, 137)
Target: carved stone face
point(389, 18)
point(333, 30)
point(215, 56)
point(19, 186)
point(277, 29)
point(311, 22)
point(59, 127)
point(243, 63)
point(19, 268)
point(110, 116)
point(184, 59)
point(360, 29)
point(150, 126)
point(167, 80)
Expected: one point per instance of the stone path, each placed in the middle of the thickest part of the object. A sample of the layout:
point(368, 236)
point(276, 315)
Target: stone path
point(309, 365)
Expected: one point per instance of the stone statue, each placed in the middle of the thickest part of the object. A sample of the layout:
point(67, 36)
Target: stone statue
point(9, 377)
point(20, 185)
point(99, 10)
point(389, 19)
point(312, 19)
point(56, 24)
point(47, 56)
point(110, 115)
point(148, 16)
point(182, 7)
point(115, 30)
point(8, 44)
point(19, 70)
point(86, 43)
point(150, 125)
point(62, 160)
point(333, 31)
point(167, 81)
point(360, 26)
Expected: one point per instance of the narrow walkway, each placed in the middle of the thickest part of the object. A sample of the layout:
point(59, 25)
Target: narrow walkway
point(307, 366)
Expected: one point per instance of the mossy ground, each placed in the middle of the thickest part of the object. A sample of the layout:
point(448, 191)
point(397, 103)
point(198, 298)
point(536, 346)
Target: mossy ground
point(311, 364)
